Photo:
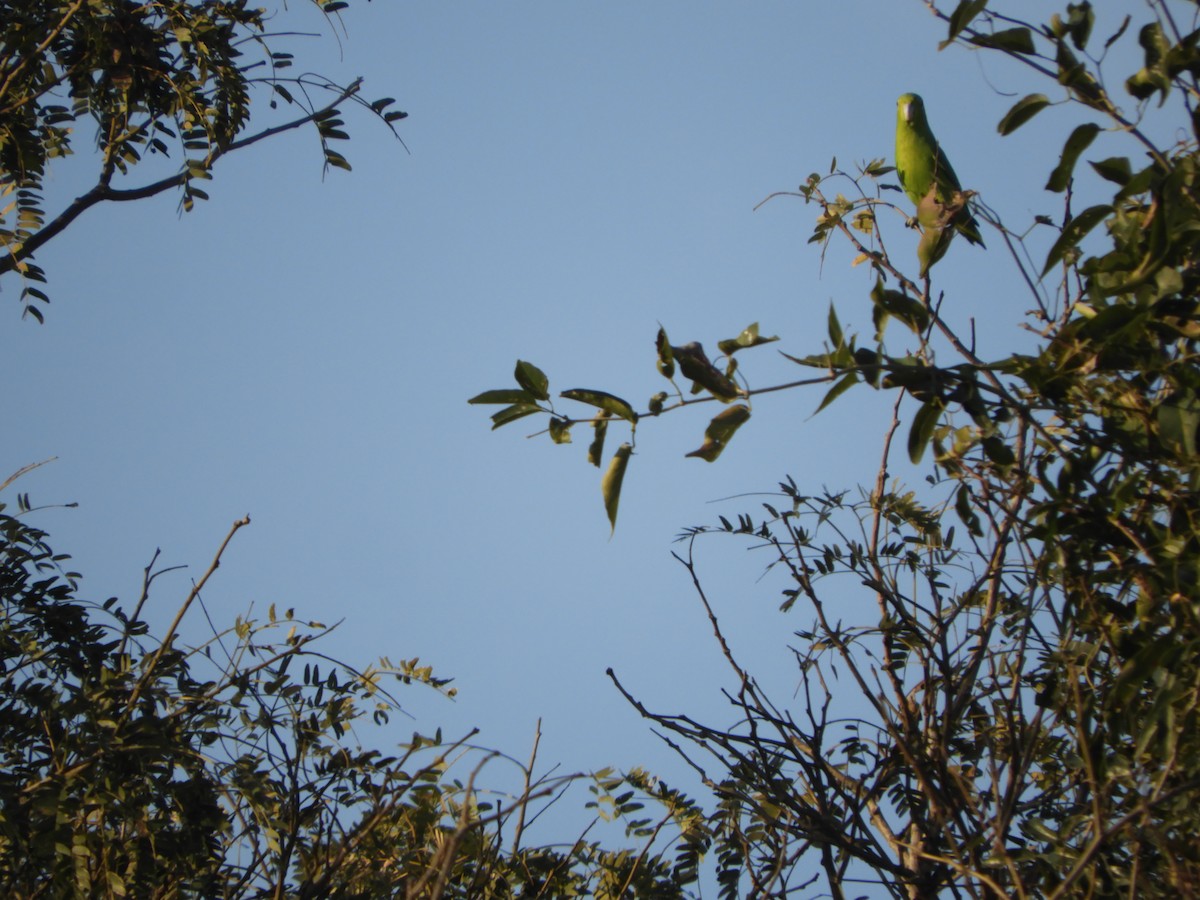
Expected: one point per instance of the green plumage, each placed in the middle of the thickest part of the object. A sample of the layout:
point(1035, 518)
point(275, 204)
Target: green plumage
point(930, 183)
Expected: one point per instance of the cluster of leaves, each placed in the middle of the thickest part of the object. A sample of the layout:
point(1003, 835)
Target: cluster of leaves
point(1025, 649)
point(154, 78)
point(532, 396)
point(131, 766)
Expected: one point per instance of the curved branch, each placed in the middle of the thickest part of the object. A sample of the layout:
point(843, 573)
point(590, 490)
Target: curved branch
point(101, 192)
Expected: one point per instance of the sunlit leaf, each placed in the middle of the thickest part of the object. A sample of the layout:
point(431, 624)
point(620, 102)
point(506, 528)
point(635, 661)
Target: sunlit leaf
point(666, 361)
point(748, 338)
point(602, 400)
point(610, 484)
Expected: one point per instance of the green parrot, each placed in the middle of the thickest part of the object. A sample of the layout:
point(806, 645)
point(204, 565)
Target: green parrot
point(930, 183)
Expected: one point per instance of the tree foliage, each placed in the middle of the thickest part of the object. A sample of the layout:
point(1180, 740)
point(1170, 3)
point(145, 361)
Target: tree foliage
point(173, 79)
point(141, 765)
point(246, 763)
point(1024, 647)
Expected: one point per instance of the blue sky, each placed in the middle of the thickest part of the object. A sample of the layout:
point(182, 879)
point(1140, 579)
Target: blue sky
point(301, 349)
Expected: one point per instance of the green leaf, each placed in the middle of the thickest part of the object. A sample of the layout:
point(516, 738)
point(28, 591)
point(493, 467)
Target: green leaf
point(1079, 141)
point(666, 360)
point(1022, 111)
point(869, 368)
point(610, 484)
point(532, 379)
point(503, 395)
point(1115, 169)
point(1116, 35)
point(720, 430)
point(1074, 232)
point(694, 364)
point(998, 452)
point(1178, 421)
point(898, 305)
point(335, 159)
point(596, 447)
point(512, 413)
point(607, 402)
point(115, 883)
point(924, 422)
point(748, 338)
point(966, 512)
point(560, 430)
point(1079, 22)
point(1156, 75)
point(843, 384)
point(836, 337)
point(962, 16)
point(1010, 40)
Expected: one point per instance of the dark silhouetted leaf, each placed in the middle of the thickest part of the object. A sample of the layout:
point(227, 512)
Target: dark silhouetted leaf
point(596, 447)
point(1022, 111)
point(694, 364)
point(512, 413)
point(1178, 420)
point(1079, 141)
point(924, 422)
point(1115, 169)
point(1075, 231)
point(532, 379)
point(962, 16)
point(560, 430)
point(503, 395)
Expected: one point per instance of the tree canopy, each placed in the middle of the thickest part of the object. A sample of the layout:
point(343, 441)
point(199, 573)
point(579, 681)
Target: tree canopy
point(185, 77)
point(1027, 662)
point(996, 635)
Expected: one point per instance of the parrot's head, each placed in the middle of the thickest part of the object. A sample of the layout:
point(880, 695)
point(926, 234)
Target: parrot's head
point(911, 108)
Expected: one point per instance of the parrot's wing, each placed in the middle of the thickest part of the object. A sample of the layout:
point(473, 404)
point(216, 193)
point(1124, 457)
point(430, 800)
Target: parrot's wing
point(948, 185)
point(944, 173)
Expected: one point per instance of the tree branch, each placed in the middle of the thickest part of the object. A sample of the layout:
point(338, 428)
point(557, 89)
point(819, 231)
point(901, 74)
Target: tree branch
point(102, 192)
